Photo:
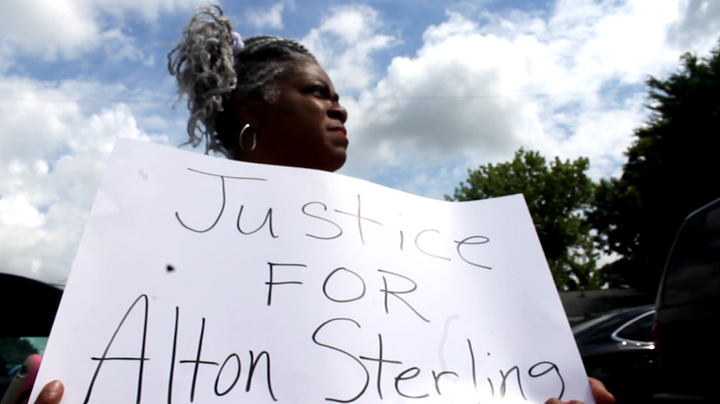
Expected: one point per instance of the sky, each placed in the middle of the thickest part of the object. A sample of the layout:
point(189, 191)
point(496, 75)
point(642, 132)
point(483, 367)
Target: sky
point(432, 89)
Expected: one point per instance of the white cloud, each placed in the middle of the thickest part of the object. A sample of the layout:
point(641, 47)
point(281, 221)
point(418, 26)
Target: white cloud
point(567, 83)
point(149, 10)
point(344, 43)
point(471, 94)
point(52, 155)
point(48, 28)
point(270, 18)
point(698, 27)
point(68, 28)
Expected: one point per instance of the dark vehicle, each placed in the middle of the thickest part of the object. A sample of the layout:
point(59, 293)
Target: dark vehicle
point(617, 349)
point(688, 309)
point(28, 312)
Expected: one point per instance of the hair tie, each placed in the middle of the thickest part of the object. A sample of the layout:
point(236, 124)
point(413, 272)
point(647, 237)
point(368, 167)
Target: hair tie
point(238, 44)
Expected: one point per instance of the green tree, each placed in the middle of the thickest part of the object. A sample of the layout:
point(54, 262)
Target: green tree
point(557, 194)
point(671, 170)
point(15, 350)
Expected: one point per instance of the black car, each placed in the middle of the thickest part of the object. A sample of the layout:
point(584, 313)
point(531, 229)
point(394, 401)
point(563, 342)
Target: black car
point(688, 310)
point(617, 348)
point(28, 312)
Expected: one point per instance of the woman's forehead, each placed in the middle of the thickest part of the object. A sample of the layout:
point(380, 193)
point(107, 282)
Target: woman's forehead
point(310, 70)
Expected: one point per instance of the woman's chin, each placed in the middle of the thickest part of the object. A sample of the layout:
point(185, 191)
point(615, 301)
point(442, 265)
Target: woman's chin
point(334, 164)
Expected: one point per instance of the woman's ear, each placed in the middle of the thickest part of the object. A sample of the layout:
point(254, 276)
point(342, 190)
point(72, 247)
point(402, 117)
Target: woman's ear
point(248, 111)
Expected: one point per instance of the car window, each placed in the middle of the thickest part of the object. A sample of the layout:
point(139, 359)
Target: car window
point(693, 271)
point(13, 352)
point(639, 329)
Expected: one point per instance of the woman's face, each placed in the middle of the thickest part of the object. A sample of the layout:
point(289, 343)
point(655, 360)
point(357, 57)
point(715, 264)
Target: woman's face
point(304, 126)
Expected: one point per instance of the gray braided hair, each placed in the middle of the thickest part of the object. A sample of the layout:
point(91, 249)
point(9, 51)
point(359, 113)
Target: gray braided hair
point(213, 78)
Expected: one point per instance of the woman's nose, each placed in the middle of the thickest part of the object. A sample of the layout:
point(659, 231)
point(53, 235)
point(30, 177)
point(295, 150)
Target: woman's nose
point(337, 111)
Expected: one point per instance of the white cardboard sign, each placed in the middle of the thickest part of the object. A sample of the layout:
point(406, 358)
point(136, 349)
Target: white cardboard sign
point(203, 280)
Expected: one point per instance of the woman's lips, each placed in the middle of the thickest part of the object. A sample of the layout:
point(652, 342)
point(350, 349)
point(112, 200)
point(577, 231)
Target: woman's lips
point(342, 131)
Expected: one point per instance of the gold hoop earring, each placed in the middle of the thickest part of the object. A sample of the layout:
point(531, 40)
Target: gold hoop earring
point(254, 138)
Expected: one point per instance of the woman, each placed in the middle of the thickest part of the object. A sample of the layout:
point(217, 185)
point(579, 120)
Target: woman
point(265, 100)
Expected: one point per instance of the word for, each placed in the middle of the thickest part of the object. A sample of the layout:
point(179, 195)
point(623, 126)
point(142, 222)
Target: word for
point(421, 240)
point(350, 280)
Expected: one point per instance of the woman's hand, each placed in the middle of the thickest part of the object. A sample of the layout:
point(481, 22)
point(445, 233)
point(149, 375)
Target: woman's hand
point(599, 392)
point(51, 393)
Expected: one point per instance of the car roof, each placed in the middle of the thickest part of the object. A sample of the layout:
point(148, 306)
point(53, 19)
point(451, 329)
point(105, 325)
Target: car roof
point(28, 306)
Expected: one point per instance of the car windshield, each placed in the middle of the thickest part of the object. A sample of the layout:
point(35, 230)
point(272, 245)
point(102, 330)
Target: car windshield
point(583, 326)
point(639, 329)
point(601, 328)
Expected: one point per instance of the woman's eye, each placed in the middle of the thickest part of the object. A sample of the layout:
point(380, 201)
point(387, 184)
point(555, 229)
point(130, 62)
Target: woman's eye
point(319, 90)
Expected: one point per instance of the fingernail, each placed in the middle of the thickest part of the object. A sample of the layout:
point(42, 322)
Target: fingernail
point(53, 387)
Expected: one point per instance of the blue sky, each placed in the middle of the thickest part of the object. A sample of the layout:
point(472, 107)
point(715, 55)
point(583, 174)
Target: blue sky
point(432, 89)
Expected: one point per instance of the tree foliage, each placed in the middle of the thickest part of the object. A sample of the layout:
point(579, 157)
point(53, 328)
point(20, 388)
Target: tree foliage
point(15, 350)
point(671, 170)
point(557, 195)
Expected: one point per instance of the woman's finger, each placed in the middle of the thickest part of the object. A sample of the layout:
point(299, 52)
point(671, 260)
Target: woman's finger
point(51, 393)
point(600, 393)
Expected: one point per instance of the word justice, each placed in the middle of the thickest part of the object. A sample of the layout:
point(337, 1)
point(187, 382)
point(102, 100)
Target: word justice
point(228, 371)
point(319, 211)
